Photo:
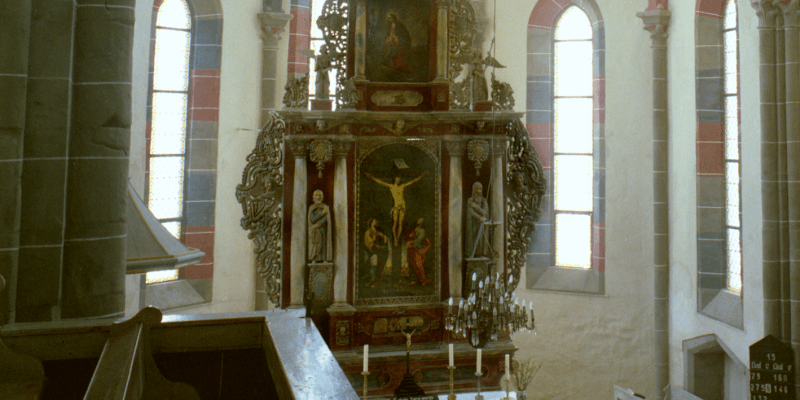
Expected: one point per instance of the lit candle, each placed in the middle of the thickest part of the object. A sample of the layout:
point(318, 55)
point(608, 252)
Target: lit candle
point(478, 365)
point(366, 357)
point(451, 353)
point(508, 364)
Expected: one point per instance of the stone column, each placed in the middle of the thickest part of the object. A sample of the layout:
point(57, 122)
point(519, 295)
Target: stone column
point(442, 52)
point(297, 254)
point(455, 240)
point(271, 25)
point(498, 201)
point(93, 283)
point(361, 40)
point(341, 220)
point(14, 37)
point(655, 22)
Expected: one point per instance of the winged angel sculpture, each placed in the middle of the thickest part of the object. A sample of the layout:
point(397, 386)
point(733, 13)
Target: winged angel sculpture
point(480, 89)
point(324, 64)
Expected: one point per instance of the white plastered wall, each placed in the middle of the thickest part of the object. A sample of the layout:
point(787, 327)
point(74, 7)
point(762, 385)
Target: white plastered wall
point(685, 321)
point(587, 343)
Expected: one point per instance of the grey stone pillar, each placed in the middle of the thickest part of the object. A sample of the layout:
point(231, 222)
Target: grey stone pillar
point(269, 63)
point(341, 222)
point(297, 253)
point(442, 52)
point(93, 280)
point(361, 40)
point(498, 201)
point(15, 18)
point(455, 250)
point(44, 173)
point(656, 22)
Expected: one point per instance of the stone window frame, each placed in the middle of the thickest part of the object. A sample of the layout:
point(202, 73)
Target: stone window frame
point(714, 300)
point(202, 133)
point(541, 272)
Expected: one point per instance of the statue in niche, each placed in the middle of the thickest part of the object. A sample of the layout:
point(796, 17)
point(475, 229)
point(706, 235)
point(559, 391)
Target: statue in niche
point(417, 246)
point(477, 216)
point(319, 231)
point(398, 212)
point(375, 242)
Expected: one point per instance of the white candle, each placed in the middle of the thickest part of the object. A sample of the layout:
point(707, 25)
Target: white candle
point(366, 357)
point(450, 346)
point(508, 363)
point(478, 365)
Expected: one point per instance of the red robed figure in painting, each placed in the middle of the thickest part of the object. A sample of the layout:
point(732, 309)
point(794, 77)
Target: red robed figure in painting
point(417, 246)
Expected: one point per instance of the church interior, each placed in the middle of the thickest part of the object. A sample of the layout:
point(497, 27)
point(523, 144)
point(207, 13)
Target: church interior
point(345, 198)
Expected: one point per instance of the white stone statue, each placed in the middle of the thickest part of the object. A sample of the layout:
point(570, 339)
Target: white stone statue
point(320, 247)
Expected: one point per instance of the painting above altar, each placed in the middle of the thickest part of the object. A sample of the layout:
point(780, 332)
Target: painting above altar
point(398, 44)
point(397, 243)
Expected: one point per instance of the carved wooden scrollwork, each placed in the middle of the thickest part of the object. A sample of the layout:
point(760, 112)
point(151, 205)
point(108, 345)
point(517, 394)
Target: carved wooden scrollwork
point(261, 194)
point(463, 26)
point(296, 95)
point(526, 185)
point(502, 95)
point(333, 24)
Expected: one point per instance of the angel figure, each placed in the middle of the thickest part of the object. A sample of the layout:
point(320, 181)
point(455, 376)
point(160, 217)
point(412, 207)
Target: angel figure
point(322, 66)
point(480, 89)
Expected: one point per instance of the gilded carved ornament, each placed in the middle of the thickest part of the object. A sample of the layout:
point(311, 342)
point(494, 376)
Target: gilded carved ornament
point(321, 151)
point(261, 194)
point(478, 152)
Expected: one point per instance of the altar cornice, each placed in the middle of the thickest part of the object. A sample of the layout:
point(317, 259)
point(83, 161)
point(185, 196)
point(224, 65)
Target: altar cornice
point(359, 116)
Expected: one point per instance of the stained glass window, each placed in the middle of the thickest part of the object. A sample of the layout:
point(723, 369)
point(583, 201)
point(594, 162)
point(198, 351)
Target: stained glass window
point(316, 42)
point(167, 151)
point(732, 156)
point(572, 134)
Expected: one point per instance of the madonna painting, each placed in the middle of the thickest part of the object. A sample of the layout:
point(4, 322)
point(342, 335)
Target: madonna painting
point(398, 41)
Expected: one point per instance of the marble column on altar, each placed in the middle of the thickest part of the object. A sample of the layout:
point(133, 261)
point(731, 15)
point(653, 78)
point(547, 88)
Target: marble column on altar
point(341, 220)
point(297, 253)
point(455, 259)
point(498, 201)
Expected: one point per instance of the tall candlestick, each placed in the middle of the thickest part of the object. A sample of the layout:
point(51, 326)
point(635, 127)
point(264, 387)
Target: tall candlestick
point(450, 346)
point(478, 365)
point(508, 364)
point(366, 357)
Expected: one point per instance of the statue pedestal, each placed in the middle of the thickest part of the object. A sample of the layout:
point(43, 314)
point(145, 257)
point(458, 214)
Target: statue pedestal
point(321, 105)
point(482, 106)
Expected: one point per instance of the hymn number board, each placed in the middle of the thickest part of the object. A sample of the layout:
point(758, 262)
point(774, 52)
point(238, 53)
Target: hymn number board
point(771, 370)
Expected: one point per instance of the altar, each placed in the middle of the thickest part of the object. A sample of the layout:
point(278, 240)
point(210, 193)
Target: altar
point(383, 202)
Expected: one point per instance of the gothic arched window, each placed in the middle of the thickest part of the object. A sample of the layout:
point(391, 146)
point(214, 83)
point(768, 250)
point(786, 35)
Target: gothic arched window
point(572, 139)
point(733, 225)
point(166, 153)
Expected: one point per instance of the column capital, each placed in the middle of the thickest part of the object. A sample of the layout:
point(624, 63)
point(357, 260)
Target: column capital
point(300, 147)
point(656, 22)
point(341, 148)
point(272, 25)
point(456, 147)
point(499, 146)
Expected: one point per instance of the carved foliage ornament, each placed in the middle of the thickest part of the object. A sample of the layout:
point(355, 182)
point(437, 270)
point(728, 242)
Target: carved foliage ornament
point(462, 28)
point(502, 95)
point(478, 152)
point(296, 93)
point(333, 24)
point(321, 152)
point(526, 185)
point(260, 195)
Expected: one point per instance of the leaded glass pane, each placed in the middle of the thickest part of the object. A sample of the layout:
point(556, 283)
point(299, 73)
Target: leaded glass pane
point(731, 63)
point(730, 15)
point(165, 199)
point(734, 260)
point(162, 276)
point(573, 182)
point(174, 14)
point(169, 123)
point(171, 68)
point(573, 240)
point(732, 204)
point(573, 68)
point(573, 125)
point(732, 127)
point(573, 25)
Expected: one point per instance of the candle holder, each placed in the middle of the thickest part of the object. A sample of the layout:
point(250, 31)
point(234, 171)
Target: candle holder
point(508, 383)
point(452, 395)
point(366, 374)
point(479, 396)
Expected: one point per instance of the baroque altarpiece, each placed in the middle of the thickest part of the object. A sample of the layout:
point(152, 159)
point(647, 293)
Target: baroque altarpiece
point(371, 206)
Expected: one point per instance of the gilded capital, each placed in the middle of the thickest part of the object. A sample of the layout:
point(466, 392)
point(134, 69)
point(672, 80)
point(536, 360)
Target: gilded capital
point(341, 148)
point(299, 147)
point(455, 147)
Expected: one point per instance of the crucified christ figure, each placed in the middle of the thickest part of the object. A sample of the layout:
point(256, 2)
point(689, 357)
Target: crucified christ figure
point(399, 210)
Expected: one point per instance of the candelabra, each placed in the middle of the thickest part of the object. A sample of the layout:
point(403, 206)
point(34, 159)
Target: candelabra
point(490, 310)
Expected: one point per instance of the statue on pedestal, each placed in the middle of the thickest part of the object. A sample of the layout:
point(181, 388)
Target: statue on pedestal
point(320, 247)
point(477, 215)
